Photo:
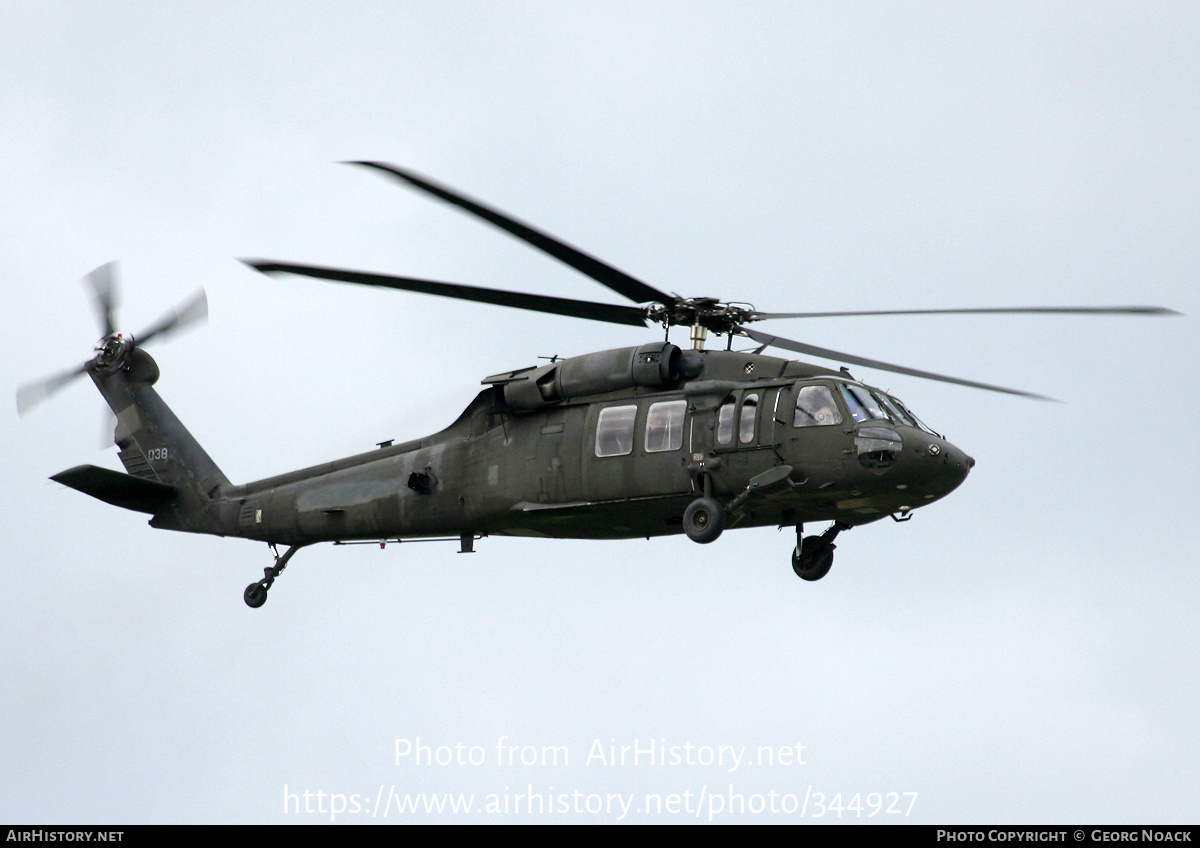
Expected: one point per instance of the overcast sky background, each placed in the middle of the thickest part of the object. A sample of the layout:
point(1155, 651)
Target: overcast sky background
point(1024, 651)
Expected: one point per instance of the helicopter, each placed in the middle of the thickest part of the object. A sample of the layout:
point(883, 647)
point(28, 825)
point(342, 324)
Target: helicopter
point(641, 441)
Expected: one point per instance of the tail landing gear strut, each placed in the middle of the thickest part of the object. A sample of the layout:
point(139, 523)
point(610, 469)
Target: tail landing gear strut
point(813, 556)
point(256, 593)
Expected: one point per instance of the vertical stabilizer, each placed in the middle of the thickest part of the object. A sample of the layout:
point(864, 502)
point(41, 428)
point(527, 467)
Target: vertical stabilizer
point(154, 445)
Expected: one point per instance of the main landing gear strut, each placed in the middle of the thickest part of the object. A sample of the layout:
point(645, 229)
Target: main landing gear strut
point(813, 556)
point(705, 518)
point(256, 593)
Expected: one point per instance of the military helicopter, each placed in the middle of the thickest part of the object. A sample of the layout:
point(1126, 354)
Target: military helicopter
point(638, 441)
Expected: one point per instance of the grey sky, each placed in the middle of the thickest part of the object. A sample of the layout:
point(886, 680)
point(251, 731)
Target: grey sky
point(1024, 651)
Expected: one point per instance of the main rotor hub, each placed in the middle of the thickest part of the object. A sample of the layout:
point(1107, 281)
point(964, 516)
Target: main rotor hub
point(706, 312)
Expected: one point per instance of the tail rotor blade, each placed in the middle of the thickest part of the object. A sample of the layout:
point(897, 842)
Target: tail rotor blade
point(32, 394)
point(189, 312)
point(103, 284)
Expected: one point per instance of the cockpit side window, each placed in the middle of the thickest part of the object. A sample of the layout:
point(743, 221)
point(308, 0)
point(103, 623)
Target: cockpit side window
point(614, 430)
point(815, 408)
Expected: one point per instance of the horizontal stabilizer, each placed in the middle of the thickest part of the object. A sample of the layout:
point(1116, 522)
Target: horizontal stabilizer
point(116, 488)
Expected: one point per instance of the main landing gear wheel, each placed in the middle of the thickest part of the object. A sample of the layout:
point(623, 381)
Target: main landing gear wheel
point(813, 556)
point(813, 559)
point(703, 520)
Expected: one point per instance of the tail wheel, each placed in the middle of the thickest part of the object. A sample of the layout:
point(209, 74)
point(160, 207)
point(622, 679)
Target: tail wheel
point(255, 595)
point(703, 520)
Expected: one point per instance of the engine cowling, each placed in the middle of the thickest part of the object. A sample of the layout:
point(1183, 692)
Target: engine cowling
point(651, 364)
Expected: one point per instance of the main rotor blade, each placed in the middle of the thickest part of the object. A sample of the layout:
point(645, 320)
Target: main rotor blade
point(601, 272)
point(612, 313)
point(31, 394)
point(103, 283)
point(824, 353)
point(189, 312)
point(1055, 310)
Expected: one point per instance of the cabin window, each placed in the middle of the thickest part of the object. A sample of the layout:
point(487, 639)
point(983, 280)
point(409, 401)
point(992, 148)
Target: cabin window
point(746, 421)
point(815, 408)
point(725, 422)
point(614, 431)
point(664, 426)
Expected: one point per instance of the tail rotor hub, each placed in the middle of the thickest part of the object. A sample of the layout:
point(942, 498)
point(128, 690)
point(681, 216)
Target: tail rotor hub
point(112, 351)
point(115, 349)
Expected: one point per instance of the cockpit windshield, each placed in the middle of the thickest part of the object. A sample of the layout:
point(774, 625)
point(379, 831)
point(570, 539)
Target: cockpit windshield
point(865, 405)
point(921, 424)
point(905, 416)
point(862, 404)
point(898, 413)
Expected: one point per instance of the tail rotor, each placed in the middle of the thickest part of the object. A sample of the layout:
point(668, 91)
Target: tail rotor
point(114, 348)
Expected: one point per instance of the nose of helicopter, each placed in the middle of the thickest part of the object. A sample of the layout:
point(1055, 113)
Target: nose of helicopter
point(956, 465)
point(936, 467)
point(958, 459)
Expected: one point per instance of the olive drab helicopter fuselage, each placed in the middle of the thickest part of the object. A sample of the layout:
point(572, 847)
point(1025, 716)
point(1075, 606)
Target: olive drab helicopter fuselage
point(634, 442)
